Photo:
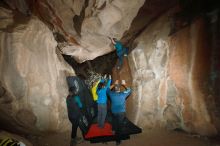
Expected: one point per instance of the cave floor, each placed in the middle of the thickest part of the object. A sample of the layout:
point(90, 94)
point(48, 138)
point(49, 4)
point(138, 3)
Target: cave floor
point(147, 138)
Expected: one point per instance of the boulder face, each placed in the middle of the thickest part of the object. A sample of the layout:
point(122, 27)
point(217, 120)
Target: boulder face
point(171, 77)
point(84, 24)
point(33, 35)
point(32, 77)
point(174, 76)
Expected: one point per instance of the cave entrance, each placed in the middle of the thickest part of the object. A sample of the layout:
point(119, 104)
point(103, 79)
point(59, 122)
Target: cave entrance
point(106, 64)
point(101, 65)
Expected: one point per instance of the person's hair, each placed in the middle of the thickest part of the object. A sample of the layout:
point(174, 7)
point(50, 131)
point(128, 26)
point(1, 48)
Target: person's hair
point(101, 85)
point(73, 90)
point(117, 87)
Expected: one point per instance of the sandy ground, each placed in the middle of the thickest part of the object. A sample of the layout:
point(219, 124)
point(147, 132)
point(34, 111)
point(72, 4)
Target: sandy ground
point(147, 138)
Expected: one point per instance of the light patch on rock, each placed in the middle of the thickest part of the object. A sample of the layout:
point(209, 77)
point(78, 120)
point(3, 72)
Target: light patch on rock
point(47, 102)
point(168, 91)
point(33, 75)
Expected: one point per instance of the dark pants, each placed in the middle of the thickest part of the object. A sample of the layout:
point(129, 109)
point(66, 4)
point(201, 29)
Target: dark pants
point(75, 125)
point(120, 62)
point(117, 122)
point(121, 56)
point(102, 112)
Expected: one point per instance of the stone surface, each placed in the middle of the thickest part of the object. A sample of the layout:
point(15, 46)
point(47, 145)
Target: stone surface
point(175, 79)
point(32, 77)
point(112, 20)
point(170, 77)
point(84, 24)
point(20, 5)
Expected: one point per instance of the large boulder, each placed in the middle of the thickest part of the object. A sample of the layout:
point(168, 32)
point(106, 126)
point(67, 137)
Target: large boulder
point(85, 25)
point(170, 78)
point(32, 77)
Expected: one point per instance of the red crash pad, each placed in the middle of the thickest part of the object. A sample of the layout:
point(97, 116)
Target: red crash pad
point(95, 131)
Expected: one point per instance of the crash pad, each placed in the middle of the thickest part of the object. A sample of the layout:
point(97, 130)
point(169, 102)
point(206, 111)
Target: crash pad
point(95, 131)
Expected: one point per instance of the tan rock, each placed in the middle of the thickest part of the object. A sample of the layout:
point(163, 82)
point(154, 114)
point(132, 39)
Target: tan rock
point(104, 18)
point(168, 78)
point(33, 78)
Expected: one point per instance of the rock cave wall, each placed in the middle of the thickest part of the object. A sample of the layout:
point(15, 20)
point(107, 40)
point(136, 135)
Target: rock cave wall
point(34, 34)
point(171, 77)
point(84, 24)
point(174, 77)
point(32, 77)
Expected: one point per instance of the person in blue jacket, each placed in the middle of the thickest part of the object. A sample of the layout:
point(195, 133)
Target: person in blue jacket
point(74, 106)
point(121, 51)
point(118, 105)
point(102, 101)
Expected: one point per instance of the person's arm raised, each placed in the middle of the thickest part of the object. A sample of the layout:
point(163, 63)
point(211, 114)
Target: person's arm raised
point(123, 83)
point(127, 90)
point(112, 40)
point(109, 81)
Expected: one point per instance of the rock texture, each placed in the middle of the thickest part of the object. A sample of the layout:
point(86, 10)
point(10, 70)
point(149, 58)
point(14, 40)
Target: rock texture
point(170, 78)
point(85, 25)
point(175, 79)
point(32, 77)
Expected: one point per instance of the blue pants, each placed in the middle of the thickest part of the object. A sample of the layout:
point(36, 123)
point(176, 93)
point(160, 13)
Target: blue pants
point(102, 112)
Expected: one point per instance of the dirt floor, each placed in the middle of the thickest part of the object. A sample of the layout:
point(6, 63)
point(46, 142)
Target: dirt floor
point(147, 138)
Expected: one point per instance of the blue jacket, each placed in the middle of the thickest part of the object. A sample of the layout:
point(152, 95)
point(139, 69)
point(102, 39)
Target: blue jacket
point(102, 96)
point(73, 106)
point(118, 100)
point(119, 48)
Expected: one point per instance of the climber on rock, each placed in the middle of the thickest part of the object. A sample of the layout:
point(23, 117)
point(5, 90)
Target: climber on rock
point(74, 106)
point(121, 51)
point(102, 101)
point(118, 105)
